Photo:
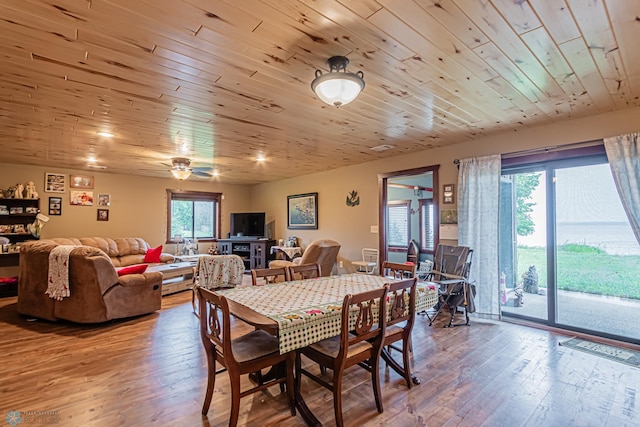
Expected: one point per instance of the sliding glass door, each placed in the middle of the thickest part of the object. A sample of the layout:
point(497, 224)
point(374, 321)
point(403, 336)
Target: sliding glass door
point(568, 255)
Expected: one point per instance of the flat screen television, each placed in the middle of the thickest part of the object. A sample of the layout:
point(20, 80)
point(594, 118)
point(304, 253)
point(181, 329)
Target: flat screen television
point(247, 224)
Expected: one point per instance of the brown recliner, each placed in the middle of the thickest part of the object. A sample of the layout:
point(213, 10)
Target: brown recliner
point(323, 251)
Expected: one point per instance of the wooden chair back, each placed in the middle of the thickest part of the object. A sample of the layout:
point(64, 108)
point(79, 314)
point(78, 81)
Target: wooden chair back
point(265, 276)
point(397, 270)
point(369, 326)
point(304, 271)
point(252, 352)
point(403, 302)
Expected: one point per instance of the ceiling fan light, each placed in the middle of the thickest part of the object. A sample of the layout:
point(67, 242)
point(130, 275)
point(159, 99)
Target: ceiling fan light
point(181, 173)
point(180, 168)
point(337, 87)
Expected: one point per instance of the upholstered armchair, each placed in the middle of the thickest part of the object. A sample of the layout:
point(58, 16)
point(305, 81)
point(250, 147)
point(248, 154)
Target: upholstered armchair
point(324, 252)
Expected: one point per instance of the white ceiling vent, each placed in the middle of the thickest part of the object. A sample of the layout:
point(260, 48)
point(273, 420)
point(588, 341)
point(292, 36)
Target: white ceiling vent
point(382, 147)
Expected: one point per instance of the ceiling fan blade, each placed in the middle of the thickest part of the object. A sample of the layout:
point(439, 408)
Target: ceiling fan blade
point(202, 173)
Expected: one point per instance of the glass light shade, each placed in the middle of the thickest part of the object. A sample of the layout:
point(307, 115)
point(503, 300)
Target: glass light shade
point(337, 87)
point(181, 173)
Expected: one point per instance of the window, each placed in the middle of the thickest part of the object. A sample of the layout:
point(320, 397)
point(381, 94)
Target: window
point(427, 227)
point(399, 223)
point(193, 214)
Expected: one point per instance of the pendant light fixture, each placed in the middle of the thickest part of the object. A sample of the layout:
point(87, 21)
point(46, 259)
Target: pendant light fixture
point(180, 168)
point(338, 87)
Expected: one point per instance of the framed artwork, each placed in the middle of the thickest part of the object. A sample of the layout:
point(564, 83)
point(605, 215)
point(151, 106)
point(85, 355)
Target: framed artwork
point(103, 214)
point(449, 216)
point(55, 205)
point(81, 198)
point(80, 181)
point(54, 182)
point(302, 211)
point(104, 200)
point(448, 196)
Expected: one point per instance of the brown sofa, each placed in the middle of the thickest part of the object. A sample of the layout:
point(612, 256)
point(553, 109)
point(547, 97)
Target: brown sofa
point(97, 293)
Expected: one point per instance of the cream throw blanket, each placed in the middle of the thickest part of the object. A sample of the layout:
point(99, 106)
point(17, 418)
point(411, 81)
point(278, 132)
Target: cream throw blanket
point(58, 280)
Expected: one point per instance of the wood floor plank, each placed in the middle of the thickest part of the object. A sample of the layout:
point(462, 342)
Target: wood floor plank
point(151, 370)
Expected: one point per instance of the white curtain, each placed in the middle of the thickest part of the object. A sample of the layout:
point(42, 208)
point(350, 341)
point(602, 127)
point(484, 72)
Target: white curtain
point(478, 209)
point(622, 152)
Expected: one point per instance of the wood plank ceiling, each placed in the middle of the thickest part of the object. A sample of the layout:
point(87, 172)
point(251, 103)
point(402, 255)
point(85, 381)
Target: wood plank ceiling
point(223, 82)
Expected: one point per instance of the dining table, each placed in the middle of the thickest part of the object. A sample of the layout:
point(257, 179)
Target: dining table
point(303, 312)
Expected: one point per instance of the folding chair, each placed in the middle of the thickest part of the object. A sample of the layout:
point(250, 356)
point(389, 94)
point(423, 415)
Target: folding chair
point(450, 274)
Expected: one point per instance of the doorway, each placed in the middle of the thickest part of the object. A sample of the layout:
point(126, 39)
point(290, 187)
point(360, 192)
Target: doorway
point(568, 256)
point(408, 211)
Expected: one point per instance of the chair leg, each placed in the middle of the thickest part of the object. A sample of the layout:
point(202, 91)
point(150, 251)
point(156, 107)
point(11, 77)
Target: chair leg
point(375, 380)
point(337, 397)
point(211, 382)
point(235, 401)
point(405, 360)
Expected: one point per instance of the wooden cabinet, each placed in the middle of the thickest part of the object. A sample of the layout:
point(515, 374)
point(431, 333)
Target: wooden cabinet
point(15, 217)
point(255, 253)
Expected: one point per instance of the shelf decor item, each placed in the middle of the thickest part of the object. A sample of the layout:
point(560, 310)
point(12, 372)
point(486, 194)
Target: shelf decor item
point(302, 211)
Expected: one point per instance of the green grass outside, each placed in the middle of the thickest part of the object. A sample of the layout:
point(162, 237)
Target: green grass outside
point(587, 269)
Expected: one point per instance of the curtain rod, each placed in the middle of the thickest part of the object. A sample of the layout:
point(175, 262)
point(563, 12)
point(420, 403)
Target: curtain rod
point(542, 150)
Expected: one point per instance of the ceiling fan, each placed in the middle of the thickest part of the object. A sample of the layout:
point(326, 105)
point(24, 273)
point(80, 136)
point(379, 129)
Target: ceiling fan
point(181, 168)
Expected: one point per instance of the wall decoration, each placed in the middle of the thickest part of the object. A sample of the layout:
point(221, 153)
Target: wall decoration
point(80, 181)
point(104, 200)
point(103, 214)
point(353, 199)
point(54, 182)
point(448, 194)
point(55, 205)
point(449, 216)
point(81, 198)
point(302, 211)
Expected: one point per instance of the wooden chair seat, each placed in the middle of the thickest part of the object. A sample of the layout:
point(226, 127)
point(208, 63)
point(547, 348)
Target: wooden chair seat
point(254, 345)
point(331, 347)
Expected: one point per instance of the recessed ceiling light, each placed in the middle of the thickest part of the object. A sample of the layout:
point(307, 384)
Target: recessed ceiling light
point(106, 134)
point(260, 158)
point(382, 147)
point(91, 159)
point(216, 172)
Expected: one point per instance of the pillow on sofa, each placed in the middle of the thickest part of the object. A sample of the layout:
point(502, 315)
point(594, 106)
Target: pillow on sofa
point(153, 254)
point(132, 269)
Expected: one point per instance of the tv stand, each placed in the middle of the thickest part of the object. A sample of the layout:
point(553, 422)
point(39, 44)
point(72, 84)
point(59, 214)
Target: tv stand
point(255, 252)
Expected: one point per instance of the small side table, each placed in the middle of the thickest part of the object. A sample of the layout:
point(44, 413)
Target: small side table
point(288, 252)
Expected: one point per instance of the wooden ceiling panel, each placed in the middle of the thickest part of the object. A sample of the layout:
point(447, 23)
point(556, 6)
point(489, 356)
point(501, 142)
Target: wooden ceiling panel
point(222, 82)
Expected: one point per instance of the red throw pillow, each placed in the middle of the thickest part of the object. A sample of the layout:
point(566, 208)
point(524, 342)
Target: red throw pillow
point(153, 254)
point(133, 269)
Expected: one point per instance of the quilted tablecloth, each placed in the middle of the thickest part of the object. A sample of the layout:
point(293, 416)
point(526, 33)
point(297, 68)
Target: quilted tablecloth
point(219, 271)
point(308, 311)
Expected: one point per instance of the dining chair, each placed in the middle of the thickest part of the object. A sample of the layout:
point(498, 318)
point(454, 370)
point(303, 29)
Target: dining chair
point(357, 343)
point(397, 270)
point(304, 271)
point(266, 276)
point(402, 314)
point(242, 355)
point(369, 261)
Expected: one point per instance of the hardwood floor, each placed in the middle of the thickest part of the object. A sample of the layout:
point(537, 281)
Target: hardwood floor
point(151, 371)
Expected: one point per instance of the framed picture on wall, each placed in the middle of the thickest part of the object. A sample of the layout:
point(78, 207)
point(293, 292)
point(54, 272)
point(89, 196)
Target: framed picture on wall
point(80, 181)
point(302, 211)
point(447, 194)
point(104, 200)
point(103, 214)
point(55, 205)
point(54, 182)
point(81, 198)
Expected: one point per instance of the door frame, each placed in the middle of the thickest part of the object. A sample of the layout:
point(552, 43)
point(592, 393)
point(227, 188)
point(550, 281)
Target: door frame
point(383, 179)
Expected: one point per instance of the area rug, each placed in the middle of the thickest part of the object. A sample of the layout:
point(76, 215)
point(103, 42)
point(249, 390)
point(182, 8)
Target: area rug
point(622, 355)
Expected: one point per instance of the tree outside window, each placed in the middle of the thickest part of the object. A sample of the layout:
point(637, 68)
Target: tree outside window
point(193, 214)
